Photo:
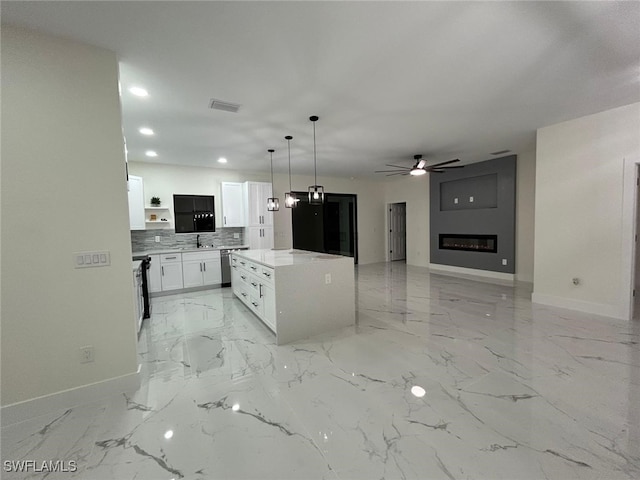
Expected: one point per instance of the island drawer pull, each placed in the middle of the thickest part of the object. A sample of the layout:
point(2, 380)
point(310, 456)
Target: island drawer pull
point(254, 304)
point(266, 274)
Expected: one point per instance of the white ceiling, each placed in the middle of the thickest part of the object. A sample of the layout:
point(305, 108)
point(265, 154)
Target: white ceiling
point(387, 79)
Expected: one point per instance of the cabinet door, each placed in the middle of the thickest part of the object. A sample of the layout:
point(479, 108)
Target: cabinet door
point(255, 237)
point(154, 275)
point(232, 205)
point(192, 273)
point(171, 276)
point(267, 216)
point(212, 273)
point(267, 237)
point(136, 203)
point(269, 305)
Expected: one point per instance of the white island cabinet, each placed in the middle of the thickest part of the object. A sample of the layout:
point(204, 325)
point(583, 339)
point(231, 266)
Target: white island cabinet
point(296, 293)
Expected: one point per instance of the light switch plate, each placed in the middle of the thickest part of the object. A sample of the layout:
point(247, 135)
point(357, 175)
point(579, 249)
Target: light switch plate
point(455, 200)
point(236, 235)
point(471, 199)
point(91, 259)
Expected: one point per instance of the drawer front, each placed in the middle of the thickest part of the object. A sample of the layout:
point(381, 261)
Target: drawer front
point(254, 284)
point(255, 304)
point(253, 267)
point(170, 258)
point(266, 274)
point(243, 263)
point(204, 256)
point(243, 295)
point(244, 277)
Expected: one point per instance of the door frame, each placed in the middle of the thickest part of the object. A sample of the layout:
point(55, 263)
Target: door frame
point(389, 232)
point(630, 192)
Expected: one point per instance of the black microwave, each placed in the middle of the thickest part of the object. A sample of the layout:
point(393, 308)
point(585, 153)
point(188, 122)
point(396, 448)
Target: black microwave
point(194, 213)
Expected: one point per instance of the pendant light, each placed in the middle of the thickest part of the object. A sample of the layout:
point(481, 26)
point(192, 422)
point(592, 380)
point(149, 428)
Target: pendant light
point(290, 199)
point(273, 204)
point(316, 192)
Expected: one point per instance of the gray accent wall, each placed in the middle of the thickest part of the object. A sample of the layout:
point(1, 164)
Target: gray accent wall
point(492, 211)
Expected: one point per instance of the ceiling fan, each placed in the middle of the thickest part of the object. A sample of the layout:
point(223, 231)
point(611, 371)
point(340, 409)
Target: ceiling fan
point(419, 168)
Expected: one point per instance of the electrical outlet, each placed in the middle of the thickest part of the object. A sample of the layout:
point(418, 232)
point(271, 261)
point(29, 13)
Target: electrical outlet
point(471, 199)
point(157, 238)
point(504, 261)
point(87, 354)
point(236, 235)
point(327, 278)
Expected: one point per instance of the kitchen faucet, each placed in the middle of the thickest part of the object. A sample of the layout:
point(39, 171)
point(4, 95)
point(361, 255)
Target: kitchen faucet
point(197, 241)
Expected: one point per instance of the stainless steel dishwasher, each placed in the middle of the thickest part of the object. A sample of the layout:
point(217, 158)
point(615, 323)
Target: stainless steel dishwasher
point(224, 264)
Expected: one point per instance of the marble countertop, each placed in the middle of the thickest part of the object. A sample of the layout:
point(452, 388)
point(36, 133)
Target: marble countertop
point(162, 250)
point(280, 258)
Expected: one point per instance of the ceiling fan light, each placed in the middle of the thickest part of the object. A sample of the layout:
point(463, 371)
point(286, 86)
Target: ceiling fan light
point(417, 171)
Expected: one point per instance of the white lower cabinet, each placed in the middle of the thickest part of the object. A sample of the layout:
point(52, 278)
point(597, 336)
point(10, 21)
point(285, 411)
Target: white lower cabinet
point(154, 275)
point(253, 284)
point(201, 268)
point(269, 306)
point(171, 271)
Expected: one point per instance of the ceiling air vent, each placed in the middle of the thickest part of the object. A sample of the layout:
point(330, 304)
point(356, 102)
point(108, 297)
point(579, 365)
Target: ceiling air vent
point(226, 106)
point(500, 152)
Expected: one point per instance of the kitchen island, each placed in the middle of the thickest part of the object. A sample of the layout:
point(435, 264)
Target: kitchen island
point(295, 293)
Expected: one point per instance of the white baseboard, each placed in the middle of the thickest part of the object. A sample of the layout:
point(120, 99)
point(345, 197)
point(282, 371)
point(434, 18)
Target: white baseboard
point(18, 412)
point(472, 273)
point(600, 309)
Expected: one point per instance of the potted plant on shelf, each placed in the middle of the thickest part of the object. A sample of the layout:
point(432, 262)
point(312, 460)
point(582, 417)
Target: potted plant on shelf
point(155, 201)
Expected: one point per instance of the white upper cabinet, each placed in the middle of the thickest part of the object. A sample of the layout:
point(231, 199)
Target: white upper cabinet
point(255, 196)
point(136, 203)
point(233, 209)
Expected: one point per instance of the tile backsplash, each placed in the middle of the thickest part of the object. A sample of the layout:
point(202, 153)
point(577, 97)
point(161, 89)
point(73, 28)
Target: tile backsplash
point(143, 240)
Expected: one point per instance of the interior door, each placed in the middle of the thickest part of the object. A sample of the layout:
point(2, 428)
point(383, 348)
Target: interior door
point(398, 231)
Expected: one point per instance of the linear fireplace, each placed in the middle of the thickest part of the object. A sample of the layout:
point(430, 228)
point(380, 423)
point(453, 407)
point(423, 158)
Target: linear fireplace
point(471, 243)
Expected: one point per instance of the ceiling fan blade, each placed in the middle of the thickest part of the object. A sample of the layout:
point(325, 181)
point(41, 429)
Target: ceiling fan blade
point(445, 163)
point(398, 166)
point(389, 171)
point(436, 170)
point(455, 166)
point(391, 174)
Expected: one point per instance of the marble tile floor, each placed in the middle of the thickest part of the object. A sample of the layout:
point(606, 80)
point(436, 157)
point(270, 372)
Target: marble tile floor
point(441, 378)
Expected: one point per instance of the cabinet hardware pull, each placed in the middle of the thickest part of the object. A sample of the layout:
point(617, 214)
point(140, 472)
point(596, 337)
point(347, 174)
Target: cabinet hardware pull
point(254, 304)
point(268, 275)
point(260, 290)
point(225, 219)
point(254, 284)
point(254, 268)
point(162, 268)
point(243, 277)
point(204, 264)
point(170, 258)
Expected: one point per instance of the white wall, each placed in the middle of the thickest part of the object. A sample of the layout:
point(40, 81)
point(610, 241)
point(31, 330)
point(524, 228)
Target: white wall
point(525, 214)
point(415, 192)
point(578, 218)
point(165, 180)
point(63, 191)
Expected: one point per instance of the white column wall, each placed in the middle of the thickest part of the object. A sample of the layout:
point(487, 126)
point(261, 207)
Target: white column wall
point(63, 191)
point(579, 204)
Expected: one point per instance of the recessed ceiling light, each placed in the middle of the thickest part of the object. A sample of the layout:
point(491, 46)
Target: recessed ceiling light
point(168, 434)
point(150, 153)
point(418, 391)
point(146, 131)
point(139, 91)
point(222, 160)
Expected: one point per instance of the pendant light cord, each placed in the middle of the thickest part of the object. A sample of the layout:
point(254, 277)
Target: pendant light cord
point(315, 171)
point(289, 147)
point(271, 171)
